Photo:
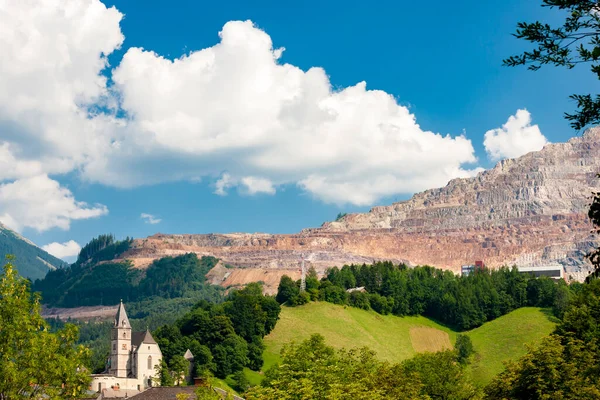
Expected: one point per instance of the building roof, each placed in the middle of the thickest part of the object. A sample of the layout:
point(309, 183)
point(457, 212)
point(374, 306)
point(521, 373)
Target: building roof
point(121, 320)
point(188, 355)
point(137, 338)
point(356, 289)
point(535, 268)
point(166, 393)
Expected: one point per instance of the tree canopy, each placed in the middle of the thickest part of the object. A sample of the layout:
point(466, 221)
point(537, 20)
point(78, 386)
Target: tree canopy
point(576, 42)
point(314, 370)
point(34, 362)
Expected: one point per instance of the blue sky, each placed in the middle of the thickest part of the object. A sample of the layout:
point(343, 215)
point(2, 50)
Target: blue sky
point(440, 60)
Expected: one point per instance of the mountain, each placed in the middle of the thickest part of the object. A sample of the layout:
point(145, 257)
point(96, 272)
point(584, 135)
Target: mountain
point(31, 261)
point(529, 210)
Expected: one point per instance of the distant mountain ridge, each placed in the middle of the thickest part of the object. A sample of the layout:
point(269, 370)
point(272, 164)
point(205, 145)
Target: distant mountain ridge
point(524, 211)
point(31, 261)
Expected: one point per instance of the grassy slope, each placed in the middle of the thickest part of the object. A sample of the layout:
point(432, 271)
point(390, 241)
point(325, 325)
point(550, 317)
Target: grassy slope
point(390, 336)
point(347, 327)
point(505, 339)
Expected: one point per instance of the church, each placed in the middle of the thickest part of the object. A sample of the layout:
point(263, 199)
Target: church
point(133, 358)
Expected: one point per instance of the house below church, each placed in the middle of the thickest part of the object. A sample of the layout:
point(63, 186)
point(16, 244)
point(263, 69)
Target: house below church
point(133, 359)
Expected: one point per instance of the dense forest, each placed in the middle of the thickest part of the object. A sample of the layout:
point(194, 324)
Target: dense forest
point(224, 338)
point(94, 279)
point(462, 302)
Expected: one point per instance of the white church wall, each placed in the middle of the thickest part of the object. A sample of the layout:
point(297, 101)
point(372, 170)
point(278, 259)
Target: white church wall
point(148, 356)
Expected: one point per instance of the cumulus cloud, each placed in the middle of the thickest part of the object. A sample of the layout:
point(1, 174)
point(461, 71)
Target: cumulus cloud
point(64, 250)
point(150, 219)
point(232, 107)
point(281, 125)
point(515, 138)
point(41, 203)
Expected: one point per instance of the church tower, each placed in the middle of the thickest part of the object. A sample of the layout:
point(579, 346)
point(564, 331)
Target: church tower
point(120, 363)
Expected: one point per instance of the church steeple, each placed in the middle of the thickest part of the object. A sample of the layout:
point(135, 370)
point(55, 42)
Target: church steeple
point(121, 320)
point(120, 355)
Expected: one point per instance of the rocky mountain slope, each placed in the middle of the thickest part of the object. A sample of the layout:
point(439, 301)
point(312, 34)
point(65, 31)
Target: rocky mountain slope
point(529, 210)
point(31, 261)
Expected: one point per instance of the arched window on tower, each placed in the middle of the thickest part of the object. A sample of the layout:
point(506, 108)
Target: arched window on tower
point(149, 362)
point(124, 335)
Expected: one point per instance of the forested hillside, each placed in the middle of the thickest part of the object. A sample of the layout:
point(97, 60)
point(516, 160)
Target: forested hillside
point(30, 261)
point(462, 302)
point(94, 279)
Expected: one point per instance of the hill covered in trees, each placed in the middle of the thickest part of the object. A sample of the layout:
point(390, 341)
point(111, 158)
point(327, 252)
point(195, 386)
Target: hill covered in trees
point(462, 302)
point(95, 279)
point(30, 261)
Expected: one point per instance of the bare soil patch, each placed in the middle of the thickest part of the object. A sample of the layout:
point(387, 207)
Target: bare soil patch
point(425, 339)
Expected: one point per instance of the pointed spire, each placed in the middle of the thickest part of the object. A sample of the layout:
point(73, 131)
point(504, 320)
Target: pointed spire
point(188, 355)
point(121, 320)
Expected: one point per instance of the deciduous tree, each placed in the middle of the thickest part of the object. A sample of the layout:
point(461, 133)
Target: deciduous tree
point(35, 363)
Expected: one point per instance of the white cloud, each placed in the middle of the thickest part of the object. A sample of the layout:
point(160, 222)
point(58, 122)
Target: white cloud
point(41, 203)
point(52, 56)
point(515, 138)
point(64, 250)
point(223, 184)
point(281, 125)
point(231, 107)
point(150, 219)
point(254, 185)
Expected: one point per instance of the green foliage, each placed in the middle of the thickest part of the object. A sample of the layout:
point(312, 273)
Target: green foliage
point(359, 300)
point(566, 364)
point(224, 338)
point(504, 339)
point(179, 368)
point(241, 382)
point(463, 302)
point(440, 375)
point(287, 289)
point(34, 362)
point(464, 348)
point(340, 216)
point(255, 353)
point(206, 393)
point(230, 356)
point(393, 338)
point(30, 261)
point(313, 370)
point(173, 276)
point(102, 248)
point(87, 283)
point(577, 41)
point(560, 368)
point(299, 299)
point(163, 376)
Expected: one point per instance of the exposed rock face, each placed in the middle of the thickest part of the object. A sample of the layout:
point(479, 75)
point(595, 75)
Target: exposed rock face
point(523, 211)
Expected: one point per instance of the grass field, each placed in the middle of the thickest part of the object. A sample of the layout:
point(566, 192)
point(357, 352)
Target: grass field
point(397, 338)
point(392, 338)
point(505, 339)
